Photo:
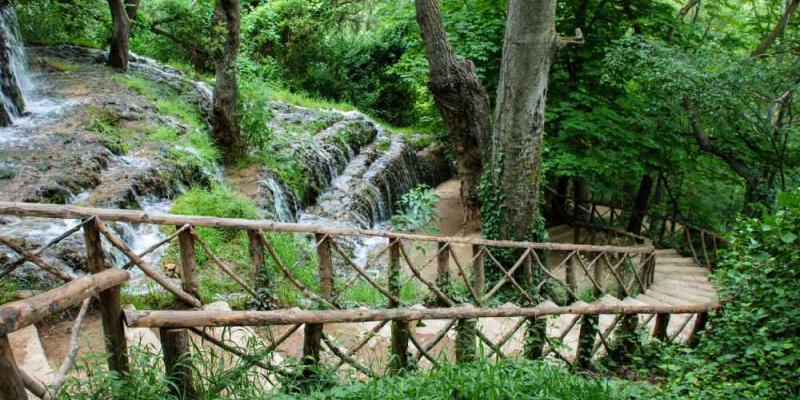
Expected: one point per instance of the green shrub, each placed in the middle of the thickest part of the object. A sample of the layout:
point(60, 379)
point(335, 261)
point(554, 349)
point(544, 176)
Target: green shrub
point(417, 211)
point(752, 349)
point(80, 22)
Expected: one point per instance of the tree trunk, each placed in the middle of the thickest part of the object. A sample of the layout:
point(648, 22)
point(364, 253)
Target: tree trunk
point(118, 54)
point(791, 7)
point(224, 50)
point(519, 124)
point(462, 102)
point(640, 207)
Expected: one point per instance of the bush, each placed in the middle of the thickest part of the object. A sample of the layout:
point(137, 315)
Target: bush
point(417, 211)
point(753, 347)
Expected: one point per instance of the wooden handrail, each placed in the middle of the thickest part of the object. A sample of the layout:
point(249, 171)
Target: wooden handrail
point(553, 192)
point(19, 314)
point(135, 216)
point(188, 318)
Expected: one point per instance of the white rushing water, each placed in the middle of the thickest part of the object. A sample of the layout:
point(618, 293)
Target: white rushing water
point(16, 57)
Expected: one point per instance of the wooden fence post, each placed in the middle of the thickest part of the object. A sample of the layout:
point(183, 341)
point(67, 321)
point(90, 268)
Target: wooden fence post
point(175, 342)
point(109, 304)
point(312, 341)
point(569, 271)
point(400, 329)
point(586, 335)
point(188, 263)
point(260, 278)
point(699, 326)
point(465, 346)
point(660, 328)
point(443, 269)
point(11, 386)
point(598, 276)
point(537, 327)
point(177, 360)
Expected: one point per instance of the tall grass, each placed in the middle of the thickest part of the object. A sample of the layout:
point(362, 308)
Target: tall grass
point(221, 377)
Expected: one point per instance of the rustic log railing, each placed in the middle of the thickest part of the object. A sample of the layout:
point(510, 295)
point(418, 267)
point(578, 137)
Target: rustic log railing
point(663, 229)
point(461, 279)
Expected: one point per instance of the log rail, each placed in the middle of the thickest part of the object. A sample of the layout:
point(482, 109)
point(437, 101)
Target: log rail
point(517, 270)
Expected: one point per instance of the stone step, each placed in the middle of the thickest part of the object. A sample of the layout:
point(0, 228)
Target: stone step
point(675, 261)
point(667, 252)
point(685, 295)
point(699, 286)
point(677, 289)
point(680, 276)
point(667, 298)
point(682, 269)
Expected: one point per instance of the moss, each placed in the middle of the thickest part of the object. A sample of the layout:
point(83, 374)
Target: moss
point(106, 122)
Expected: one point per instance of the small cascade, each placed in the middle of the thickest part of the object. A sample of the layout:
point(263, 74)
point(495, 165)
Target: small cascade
point(14, 80)
point(283, 203)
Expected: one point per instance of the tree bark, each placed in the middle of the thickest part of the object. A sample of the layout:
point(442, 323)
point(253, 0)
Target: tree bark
point(519, 125)
point(118, 53)
point(224, 51)
point(791, 7)
point(640, 207)
point(462, 102)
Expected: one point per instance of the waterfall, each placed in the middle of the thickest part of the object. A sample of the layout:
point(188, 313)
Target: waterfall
point(14, 80)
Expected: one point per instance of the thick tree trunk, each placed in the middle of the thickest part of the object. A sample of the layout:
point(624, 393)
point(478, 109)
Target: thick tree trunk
point(224, 50)
point(640, 207)
point(462, 102)
point(519, 125)
point(118, 54)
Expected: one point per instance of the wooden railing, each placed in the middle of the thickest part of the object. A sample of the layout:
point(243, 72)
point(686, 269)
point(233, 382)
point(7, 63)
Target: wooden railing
point(664, 230)
point(460, 280)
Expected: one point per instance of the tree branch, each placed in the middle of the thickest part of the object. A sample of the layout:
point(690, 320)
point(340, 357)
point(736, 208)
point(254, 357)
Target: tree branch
point(707, 146)
point(791, 7)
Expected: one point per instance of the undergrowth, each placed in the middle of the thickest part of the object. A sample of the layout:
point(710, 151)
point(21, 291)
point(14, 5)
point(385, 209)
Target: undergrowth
point(218, 377)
